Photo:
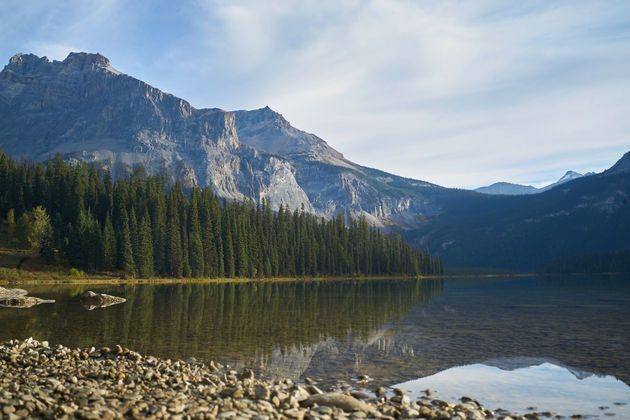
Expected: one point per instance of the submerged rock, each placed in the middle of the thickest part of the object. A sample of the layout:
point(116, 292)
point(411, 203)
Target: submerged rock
point(4, 293)
point(23, 301)
point(91, 300)
point(331, 399)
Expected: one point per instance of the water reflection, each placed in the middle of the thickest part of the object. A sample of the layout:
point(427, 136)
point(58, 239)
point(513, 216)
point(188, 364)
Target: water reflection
point(524, 385)
point(238, 322)
point(392, 330)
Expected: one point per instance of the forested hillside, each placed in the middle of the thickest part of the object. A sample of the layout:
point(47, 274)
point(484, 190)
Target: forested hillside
point(144, 227)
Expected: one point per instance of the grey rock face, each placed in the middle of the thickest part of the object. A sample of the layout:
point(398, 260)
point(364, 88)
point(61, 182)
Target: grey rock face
point(334, 184)
point(87, 110)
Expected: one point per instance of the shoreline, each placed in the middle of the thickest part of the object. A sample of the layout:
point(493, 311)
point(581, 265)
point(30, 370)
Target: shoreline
point(53, 381)
point(53, 278)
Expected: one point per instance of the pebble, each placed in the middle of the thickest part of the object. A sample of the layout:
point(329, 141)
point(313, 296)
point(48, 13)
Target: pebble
point(114, 383)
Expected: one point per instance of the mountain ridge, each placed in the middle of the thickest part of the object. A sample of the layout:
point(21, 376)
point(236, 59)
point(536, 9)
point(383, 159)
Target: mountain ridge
point(114, 120)
point(507, 188)
point(85, 109)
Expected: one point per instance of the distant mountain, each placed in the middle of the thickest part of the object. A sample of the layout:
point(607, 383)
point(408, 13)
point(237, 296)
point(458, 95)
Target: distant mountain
point(85, 109)
point(506, 188)
point(589, 214)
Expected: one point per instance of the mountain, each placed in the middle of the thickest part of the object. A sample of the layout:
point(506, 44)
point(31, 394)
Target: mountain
point(85, 109)
point(589, 214)
point(506, 188)
point(621, 167)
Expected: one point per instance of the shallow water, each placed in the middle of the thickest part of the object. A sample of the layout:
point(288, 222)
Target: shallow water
point(392, 330)
point(537, 385)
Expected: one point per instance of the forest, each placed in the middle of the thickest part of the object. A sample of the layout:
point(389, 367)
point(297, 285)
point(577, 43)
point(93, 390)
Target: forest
point(143, 226)
point(603, 262)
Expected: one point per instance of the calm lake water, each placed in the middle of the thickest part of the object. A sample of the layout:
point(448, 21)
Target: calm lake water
point(558, 344)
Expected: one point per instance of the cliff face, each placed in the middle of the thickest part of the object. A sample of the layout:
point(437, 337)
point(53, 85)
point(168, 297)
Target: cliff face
point(334, 184)
point(85, 109)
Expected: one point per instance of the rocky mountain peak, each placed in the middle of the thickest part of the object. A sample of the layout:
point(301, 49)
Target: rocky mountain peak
point(28, 64)
point(267, 130)
point(85, 61)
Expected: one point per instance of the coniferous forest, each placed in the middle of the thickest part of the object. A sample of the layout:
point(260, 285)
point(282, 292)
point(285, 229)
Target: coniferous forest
point(145, 226)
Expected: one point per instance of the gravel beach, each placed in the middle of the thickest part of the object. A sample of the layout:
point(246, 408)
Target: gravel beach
point(38, 380)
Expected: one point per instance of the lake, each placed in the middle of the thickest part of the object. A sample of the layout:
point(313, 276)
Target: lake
point(558, 344)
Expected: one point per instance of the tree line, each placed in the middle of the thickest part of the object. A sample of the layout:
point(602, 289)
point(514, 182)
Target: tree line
point(145, 226)
point(603, 262)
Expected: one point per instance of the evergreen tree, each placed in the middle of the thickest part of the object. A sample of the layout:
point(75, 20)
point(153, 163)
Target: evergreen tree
point(93, 222)
point(109, 244)
point(126, 251)
point(195, 244)
point(173, 257)
point(144, 259)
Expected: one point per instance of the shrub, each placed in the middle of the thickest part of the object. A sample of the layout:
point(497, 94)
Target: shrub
point(73, 272)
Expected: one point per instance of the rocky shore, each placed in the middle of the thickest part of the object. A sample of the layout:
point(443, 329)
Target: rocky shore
point(38, 380)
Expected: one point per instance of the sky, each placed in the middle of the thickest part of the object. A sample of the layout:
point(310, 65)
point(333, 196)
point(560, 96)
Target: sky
point(458, 93)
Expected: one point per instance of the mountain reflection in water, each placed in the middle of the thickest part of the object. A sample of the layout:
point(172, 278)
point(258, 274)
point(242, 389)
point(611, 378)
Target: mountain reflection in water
point(535, 385)
point(391, 330)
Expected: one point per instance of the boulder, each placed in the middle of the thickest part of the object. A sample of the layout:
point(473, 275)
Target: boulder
point(91, 300)
point(332, 399)
point(23, 301)
point(12, 292)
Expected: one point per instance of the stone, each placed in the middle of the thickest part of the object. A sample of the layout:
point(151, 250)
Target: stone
point(294, 413)
point(345, 402)
point(300, 394)
point(4, 293)
point(312, 389)
point(23, 301)
point(91, 300)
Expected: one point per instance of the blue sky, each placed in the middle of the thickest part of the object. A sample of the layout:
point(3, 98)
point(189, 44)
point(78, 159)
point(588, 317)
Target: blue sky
point(462, 94)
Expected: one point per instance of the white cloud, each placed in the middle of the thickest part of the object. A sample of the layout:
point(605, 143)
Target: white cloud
point(457, 93)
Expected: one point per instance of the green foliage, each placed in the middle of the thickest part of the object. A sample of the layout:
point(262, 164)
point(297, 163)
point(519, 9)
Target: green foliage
point(126, 251)
point(10, 226)
point(144, 259)
point(32, 227)
point(73, 272)
point(143, 227)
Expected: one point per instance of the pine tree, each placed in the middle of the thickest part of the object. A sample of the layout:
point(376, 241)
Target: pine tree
point(10, 226)
point(109, 244)
point(126, 251)
point(195, 247)
point(144, 260)
point(173, 251)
